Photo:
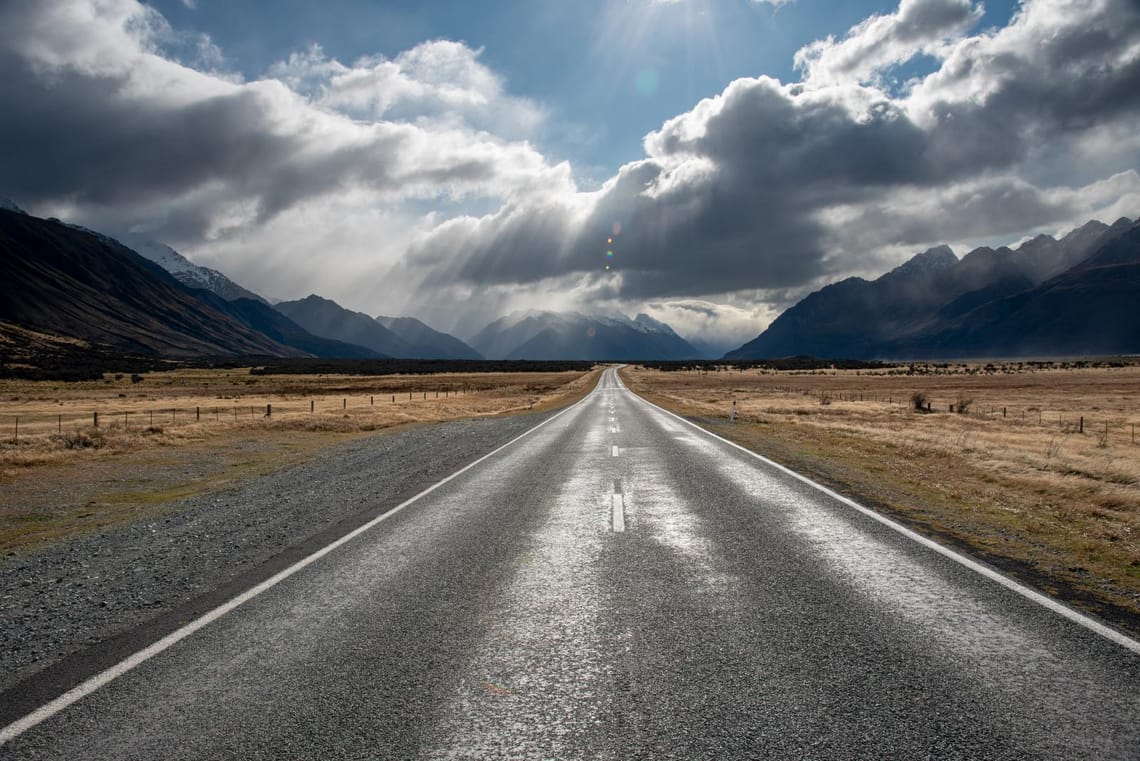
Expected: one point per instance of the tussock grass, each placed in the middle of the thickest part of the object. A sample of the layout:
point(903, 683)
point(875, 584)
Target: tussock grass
point(59, 483)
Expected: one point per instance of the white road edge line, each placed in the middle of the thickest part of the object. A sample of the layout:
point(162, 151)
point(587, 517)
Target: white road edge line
point(1057, 607)
point(90, 685)
point(617, 511)
point(614, 451)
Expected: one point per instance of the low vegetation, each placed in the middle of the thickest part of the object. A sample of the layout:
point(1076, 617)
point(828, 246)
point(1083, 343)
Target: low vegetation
point(1031, 466)
point(162, 435)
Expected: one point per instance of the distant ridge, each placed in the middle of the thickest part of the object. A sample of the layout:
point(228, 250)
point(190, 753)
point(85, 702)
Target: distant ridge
point(989, 303)
point(572, 336)
point(426, 342)
point(328, 319)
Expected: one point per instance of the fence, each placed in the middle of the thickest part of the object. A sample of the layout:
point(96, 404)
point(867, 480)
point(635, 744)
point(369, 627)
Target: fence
point(1110, 429)
point(163, 415)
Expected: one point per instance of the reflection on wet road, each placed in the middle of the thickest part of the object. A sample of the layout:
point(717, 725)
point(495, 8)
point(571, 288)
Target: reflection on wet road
point(617, 585)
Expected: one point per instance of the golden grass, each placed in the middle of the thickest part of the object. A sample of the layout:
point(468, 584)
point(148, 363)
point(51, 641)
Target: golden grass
point(43, 422)
point(54, 485)
point(1015, 480)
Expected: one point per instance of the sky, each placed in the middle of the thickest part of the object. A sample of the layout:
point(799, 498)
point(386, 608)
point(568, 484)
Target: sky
point(708, 162)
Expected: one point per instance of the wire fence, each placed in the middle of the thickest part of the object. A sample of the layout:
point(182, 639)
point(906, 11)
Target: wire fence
point(164, 415)
point(1109, 429)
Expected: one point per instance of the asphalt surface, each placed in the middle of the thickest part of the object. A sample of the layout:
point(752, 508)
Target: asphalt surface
point(674, 597)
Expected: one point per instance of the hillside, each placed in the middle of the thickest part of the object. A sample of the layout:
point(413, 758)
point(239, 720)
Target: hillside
point(328, 319)
point(936, 305)
point(71, 282)
point(427, 342)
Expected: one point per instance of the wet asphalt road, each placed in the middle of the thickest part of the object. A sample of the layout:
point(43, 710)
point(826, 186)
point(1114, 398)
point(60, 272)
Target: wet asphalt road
point(619, 585)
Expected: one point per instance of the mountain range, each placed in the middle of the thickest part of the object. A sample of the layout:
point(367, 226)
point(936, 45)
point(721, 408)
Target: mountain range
point(145, 298)
point(570, 335)
point(1048, 297)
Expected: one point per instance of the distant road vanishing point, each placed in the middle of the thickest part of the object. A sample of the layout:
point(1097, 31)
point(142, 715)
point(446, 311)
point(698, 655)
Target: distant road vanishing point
point(616, 583)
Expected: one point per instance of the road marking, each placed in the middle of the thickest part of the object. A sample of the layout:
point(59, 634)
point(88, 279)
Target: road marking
point(1030, 594)
point(614, 451)
point(617, 509)
point(90, 685)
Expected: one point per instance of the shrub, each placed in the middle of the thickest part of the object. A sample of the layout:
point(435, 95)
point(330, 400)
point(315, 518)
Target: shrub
point(962, 405)
point(918, 400)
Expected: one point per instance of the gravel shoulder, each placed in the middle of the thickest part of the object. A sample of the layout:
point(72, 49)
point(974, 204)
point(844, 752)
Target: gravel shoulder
point(62, 600)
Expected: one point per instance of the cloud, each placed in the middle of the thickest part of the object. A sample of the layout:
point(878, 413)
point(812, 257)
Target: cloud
point(100, 120)
point(408, 184)
point(440, 80)
point(776, 186)
point(882, 41)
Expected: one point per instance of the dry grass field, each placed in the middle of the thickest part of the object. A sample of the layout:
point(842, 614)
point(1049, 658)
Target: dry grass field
point(187, 432)
point(1014, 479)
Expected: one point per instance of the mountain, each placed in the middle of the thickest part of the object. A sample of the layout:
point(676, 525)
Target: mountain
point(263, 318)
point(425, 341)
point(184, 270)
point(898, 314)
point(1088, 309)
point(570, 335)
point(71, 282)
point(328, 319)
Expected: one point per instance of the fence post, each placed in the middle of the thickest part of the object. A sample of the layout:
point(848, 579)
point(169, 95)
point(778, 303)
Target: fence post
point(268, 410)
point(59, 425)
point(197, 414)
point(344, 406)
point(152, 418)
point(393, 398)
point(174, 416)
point(1003, 411)
point(371, 401)
point(95, 419)
point(1082, 424)
point(312, 404)
point(126, 422)
point(17, 429)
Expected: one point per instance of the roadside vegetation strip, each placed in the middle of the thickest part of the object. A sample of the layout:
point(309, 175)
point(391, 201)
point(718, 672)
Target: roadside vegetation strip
point(1060, 512)
point(54, 490)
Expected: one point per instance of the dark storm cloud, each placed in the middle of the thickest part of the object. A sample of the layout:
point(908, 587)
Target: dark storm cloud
point(95, 117)
point(732, 194)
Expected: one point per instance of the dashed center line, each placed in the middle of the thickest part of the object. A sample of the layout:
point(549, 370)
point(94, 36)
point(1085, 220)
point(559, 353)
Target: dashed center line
point(614, 451)
point(617, 511)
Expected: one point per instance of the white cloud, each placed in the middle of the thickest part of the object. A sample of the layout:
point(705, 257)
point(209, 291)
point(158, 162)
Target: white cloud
point(439, 80)
point(882, 41)
point(403, 184)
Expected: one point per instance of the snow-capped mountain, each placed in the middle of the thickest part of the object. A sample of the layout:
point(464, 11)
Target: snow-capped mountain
point(184, 270)
point(571, 335)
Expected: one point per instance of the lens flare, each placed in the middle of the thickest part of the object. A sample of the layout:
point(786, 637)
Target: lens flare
point(646, 82)
point(609, 254)
point(617, 229)
point(609, 241)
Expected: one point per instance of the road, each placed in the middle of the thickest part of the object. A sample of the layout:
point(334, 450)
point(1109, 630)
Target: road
point(616, 584)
